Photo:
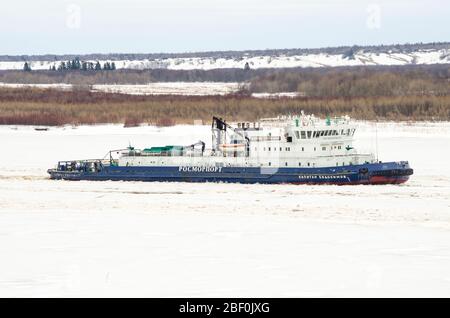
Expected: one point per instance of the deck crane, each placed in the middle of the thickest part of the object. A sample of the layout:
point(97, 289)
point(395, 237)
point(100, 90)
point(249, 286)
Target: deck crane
point(219, 130)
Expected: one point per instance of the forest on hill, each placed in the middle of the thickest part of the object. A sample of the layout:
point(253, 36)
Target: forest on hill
point(343, 50)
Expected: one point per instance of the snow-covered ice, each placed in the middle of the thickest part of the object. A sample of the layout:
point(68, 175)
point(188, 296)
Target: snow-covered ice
point(62, 238)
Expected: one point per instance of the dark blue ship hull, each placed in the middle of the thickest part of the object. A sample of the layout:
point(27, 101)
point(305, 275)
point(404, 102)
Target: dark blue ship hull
point(373, 173)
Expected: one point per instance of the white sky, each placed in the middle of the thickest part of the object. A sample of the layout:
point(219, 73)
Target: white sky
point(140, 26)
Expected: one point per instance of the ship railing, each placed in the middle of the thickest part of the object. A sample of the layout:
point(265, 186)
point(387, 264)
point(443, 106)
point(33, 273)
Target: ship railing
point(84, 165)
point(265, 138)
point(184, 153)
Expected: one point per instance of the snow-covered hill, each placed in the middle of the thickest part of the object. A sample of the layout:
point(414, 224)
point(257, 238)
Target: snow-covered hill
point(361, 57)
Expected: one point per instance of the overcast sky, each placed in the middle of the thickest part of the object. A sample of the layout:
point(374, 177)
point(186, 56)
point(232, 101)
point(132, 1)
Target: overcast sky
point(147, 26)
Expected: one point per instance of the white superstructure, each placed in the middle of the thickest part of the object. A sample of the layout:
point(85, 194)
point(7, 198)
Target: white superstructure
point(288, 141)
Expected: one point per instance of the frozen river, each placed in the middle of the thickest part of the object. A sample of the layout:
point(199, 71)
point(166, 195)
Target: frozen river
point(60, 238)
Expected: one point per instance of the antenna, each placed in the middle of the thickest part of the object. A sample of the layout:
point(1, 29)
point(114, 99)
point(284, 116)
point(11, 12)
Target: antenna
point(376, 137)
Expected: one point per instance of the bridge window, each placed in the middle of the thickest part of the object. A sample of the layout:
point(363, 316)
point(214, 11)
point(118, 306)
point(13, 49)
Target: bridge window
point(324, 148)
point(309, 134)
point(297, 134)
point(322, 132)
point(303, 134)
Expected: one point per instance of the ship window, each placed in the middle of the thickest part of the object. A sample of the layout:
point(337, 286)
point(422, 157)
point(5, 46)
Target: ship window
point(353, 132)
point(264, 148)
point(309, 134)
point(342, 131)
point(348, 132)
point(308, 164)
point(343, 163)
point(299, 164)
point(285, 164)
point(281, 149)
point(270, 163)
point(297, 134)
point(303, 148)
point(314, 148)
point(303, 135)
point(314, 134)
point(339, 147)
point(269, 148)
point(322, 132)
point(324, 148)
